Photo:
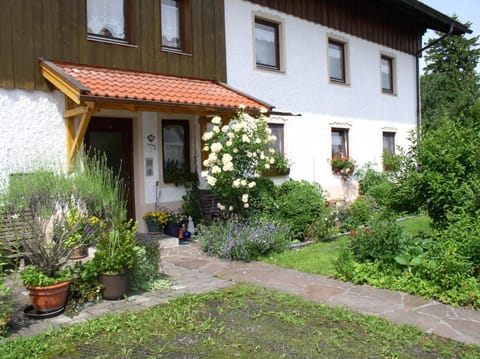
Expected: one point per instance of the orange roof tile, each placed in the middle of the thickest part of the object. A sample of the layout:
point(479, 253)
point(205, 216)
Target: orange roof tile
point(107, 83)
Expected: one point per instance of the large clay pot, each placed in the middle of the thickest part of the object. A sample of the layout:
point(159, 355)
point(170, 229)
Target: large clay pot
point(50, 298)
point(115, 286)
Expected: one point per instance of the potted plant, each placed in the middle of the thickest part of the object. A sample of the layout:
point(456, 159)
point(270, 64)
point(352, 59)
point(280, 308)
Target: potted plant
point(280, 167)
point(175, 221)
point(47, 278)
point(342, 165)
point(156, 220)
point(114, 258)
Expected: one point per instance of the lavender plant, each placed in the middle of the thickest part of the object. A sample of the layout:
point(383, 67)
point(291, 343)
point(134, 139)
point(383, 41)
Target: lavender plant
point(245, 239)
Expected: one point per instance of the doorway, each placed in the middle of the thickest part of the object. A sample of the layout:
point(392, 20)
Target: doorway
point(113, 136)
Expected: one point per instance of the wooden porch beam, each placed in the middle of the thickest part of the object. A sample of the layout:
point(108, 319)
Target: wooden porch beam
point(74, 112)
point(82, 129)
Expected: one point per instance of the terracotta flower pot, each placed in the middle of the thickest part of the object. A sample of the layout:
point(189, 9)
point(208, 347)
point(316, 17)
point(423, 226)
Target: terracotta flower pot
point(115, 286)
point(50, 298)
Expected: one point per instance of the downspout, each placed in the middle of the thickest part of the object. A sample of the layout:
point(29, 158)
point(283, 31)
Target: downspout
point(418, 54)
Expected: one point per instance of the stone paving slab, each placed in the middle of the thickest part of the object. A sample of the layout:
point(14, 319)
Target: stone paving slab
point(457, 323)
point(192, 271)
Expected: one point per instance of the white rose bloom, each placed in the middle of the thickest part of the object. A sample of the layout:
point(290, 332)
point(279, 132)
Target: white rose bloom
point(216, 120)
point(235, 150)
point(267, 166)
point(245, 198)
point(246, 205)
point(227, 157)
point(271, 138)
point(243, 182)
point(242, 107)
point(245, 139)
point(249, 154)
point(216, 147)
point(268, 130)
point(262, 156)
point(271, 150)
point(216, 129)
point(225, 129)
point(216, 169)
point(230, 135)
point(229, 143)
point(254, 154)
point(236, 183)
point(220, 206)
point(212, 157)
point(206, 149)
point(272, 160)
point(258, 140)
point(228, 167)
point(230, 208)
point(206, 163)
point(263, 110)
point(252, 184)
point(211, 180)
point(207, 136)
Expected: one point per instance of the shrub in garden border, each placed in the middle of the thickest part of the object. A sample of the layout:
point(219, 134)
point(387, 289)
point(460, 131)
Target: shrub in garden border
point(299, 203)
point(244, 239)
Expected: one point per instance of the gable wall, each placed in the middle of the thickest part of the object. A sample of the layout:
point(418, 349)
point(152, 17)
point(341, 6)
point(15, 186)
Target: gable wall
point(56, 30)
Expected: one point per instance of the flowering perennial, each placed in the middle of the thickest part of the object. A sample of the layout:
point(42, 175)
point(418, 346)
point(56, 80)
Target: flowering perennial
point(342, 165)
point(236, 154)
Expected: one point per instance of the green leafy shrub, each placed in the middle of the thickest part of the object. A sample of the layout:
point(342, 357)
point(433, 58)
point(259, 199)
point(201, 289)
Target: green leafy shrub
point(381, 241)
point(299, 204)
point(245, 239)
point(391, 162)
point(359, 212)
point(146, 275)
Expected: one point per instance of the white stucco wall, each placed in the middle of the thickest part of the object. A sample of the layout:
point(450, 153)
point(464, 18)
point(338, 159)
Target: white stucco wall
point(303, 87)
point(32, 130)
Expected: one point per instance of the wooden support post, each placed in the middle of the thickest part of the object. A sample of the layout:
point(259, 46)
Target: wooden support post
point(82, 129)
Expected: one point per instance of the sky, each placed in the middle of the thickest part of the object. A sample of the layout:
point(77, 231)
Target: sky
point(466, 10)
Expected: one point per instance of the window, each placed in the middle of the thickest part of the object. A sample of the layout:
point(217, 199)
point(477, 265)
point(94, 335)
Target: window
point(176, 159)
point(278, 132)
point(340, 141)
point(336, 61)
point(267, 44)
point(108, 19)
point(386, 64)
point(174, 24)
point(389, 142)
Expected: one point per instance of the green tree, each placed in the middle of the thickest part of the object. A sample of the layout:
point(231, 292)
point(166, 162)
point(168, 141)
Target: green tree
point(450, 84)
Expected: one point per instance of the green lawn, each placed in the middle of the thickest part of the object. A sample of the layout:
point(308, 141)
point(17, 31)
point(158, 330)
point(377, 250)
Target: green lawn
point(320, 258)
point(241, 321)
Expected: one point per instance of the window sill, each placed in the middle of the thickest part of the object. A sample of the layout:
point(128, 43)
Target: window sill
point(110, 41)
point(339, 83)
point(176, 51)
point(269, 69)
point(390, 93)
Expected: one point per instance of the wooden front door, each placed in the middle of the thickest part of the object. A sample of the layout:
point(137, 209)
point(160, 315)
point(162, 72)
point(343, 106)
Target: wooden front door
point(113, 136)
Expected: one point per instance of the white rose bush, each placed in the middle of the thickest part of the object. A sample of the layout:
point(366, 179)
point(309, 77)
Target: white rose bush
point(237, 153)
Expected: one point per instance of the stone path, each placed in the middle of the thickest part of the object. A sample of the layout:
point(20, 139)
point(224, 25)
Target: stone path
point(191, 271)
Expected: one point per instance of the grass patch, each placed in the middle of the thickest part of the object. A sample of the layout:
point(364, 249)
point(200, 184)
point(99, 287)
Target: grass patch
point(417, 226)
point(318, 258)
point(241, 321)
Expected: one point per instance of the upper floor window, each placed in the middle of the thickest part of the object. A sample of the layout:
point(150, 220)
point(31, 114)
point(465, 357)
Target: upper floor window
point(389, 142)
point(386, 65)
point(340, 142)
point(174, 24)
point(108, 19)
point(336, 61)
point(267, 47)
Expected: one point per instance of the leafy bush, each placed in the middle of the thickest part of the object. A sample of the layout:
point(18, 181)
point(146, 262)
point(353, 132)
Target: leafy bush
point(381, 241)
point(245, 239)
point(146, 275)
point(359, 212)
point(299, 204)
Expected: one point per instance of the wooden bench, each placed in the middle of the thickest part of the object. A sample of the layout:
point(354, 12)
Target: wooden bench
point(208, 205)
point(14, 229)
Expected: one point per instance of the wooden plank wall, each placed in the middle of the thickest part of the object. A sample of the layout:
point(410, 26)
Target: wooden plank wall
point(56, 30)
point(369, 20)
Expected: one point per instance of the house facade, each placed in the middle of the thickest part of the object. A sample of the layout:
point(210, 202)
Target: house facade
point(346, 69)
point(139, 80)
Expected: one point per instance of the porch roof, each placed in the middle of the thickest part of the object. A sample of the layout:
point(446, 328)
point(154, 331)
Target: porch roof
point(135, 90)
